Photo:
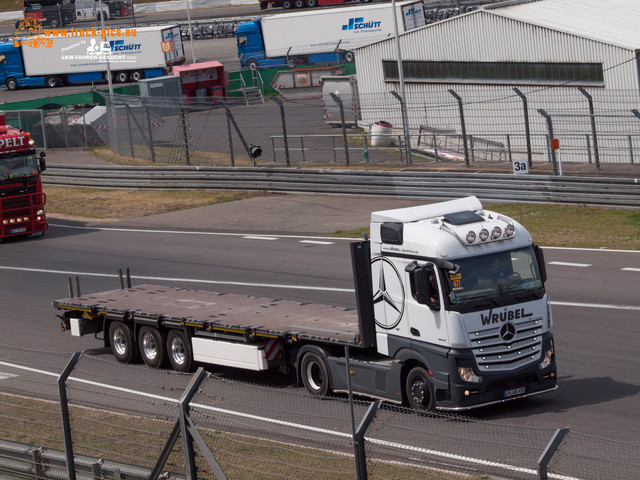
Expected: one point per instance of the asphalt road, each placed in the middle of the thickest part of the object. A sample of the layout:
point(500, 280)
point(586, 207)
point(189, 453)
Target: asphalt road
point(594, 292)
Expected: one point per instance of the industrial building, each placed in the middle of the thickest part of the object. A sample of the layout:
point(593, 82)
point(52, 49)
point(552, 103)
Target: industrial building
point(566, 66)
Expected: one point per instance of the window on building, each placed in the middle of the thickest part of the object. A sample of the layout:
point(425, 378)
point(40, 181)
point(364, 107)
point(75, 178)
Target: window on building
point(541, 73)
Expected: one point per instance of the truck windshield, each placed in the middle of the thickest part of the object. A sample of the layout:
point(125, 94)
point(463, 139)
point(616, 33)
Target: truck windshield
point(18, 166)
point(489, 276)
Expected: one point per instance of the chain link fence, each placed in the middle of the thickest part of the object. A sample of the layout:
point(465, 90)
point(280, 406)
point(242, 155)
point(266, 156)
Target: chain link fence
point(130, 421)
point(560, 131)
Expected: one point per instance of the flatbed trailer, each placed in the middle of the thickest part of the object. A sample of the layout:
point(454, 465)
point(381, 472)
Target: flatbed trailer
point(452, 313)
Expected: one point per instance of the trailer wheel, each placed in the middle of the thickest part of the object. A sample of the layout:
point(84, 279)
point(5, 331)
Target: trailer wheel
point(179, 352)
point(419, 389)
point(51, 81)
point(315, 375)
point(287, 4)
point(299, 3)
point(122, 77)
point(12, 84)
point(122, 344)
point(137, 75)
point(152, 347)
point(312, 3)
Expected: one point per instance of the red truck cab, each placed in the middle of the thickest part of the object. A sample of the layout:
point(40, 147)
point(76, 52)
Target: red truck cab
point(22, 201)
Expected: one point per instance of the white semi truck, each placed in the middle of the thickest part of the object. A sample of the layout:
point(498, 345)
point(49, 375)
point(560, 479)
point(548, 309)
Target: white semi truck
point(67, 56)
point(452, 314)
point(321, 36)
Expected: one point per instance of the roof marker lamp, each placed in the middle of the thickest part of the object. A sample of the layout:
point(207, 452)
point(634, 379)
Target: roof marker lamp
point(509, 230)
point(484, 234)
point(471, 237)
point(496, 232)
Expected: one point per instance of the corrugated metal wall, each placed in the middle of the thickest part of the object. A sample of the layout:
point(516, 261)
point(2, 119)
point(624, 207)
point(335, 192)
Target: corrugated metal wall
point(492, 109)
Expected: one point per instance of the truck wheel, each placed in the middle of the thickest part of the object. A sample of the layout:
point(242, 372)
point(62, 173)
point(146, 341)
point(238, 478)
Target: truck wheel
point(12, 84)
point(152, 347)
point(122, 344)
point(312, 3)
point(122, 77)
point(179, 352)
point(55, 23)
point(136, 76)
point(252, 63)
point(300, 3)
point(287, 4)
point(51, 81)
point(315, 375)
point(349, 57)
point(419, 389)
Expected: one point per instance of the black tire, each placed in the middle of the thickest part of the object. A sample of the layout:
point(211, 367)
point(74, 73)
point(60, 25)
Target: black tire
point(122, 77)
point(152, 347)
point(312, 3)
point(136, 76)
point(315, 375)
point(287, 4)
point(55, 23)
point(51, 81)
point(11, 83)
point(419, 390)
point(179, 352)
point(299, 3)
point(252, 63)
point(121, 341)
point(349, 57)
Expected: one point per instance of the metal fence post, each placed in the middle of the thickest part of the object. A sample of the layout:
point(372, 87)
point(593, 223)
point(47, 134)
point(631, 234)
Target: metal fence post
point(127, 111)
point(64, 413)
point(552, 447)
point(151, 148)
point(527, 128)
point(593, 126)
point(44, 130)
point(344, 126)
point(185, 134)
point(554, 162)
point(462, 125)
point(284, 132)
point(230, 137)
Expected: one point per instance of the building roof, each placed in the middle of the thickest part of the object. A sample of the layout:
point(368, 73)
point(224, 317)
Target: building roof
point(610, 21)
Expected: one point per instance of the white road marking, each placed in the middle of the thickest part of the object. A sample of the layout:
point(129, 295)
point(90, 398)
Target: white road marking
point(630, 269)
point(4, 375)
point(317, 242)
point(299, 426)
point(181, 280)
point(259, 237)
point(567, 264)
point(186, 232)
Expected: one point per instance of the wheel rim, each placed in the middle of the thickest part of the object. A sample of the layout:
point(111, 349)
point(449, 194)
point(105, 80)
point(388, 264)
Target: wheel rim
point(314, 376)
point(149, 346)
point(119, 341)
point(178, 351)
point(420, 392)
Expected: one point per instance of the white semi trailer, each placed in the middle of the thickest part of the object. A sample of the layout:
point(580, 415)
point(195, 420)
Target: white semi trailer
point(67, 56)
point(452, 314)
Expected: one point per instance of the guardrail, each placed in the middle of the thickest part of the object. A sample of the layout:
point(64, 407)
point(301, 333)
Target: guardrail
point(495, 188)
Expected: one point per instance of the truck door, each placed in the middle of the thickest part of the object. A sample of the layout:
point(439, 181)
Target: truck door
point(425, 317)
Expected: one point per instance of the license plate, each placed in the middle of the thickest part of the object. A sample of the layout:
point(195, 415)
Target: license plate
point(18, 230)
point(514, 392)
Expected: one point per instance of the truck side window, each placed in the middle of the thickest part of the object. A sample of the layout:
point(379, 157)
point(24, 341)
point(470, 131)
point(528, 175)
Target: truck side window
point(242, 40)
point(424, 285)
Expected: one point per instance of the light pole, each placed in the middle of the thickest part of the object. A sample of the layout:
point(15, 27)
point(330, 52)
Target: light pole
point(193, 53)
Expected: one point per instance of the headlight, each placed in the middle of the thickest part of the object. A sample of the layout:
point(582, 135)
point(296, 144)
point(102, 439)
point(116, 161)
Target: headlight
point(547, 359)
point(467, 375)
point(40, 211)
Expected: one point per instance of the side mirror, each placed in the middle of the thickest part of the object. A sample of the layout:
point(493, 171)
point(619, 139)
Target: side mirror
point(541, 265)
point(424, 286)
point(42, 162)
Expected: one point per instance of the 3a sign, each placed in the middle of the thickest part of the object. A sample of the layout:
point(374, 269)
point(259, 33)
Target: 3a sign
point(520, 167)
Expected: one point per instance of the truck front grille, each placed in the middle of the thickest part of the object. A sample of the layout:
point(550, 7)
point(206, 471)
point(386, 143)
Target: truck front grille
point(508, 345)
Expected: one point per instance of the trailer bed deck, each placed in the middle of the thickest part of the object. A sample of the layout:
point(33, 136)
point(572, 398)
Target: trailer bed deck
point(222, 312)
